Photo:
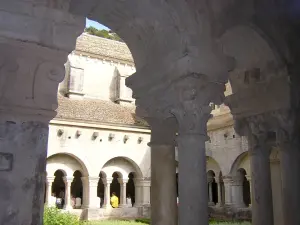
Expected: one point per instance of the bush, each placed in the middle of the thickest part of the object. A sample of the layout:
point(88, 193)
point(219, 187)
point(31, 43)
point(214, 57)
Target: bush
point(54, 216)
point(144, 220)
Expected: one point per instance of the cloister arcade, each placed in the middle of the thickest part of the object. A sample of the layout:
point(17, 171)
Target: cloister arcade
point(65, 177)
point(184, 52)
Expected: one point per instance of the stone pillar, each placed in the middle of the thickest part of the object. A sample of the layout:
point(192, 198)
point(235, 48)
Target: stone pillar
point(31, 66)
point(237, 192)
point(49, 197)
point(210, 193)
point(123, 183)
point(146, 192)
point(107, 183)
point(85, 195)
point(138, 192)
point(93, 187)
point(290, 170)
point(68, 181)
point(163, 172)
point(220, 203)
point(262, 205)
point(227, 186)
point(192, 120)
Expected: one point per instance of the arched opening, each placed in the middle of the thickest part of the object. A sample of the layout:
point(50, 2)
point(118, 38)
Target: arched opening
point(59, 188)
point(246, 186)
point(130, 189)
point(77, 190)
point(212, 188)
point(101, 189)
point(115, 186)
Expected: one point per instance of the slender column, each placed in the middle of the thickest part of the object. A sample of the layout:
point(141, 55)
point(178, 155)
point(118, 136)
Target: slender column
point(49, 197)
point(262, 204)
point(68, 181)
point(107, 183)
point(227, 185)
point(163, 172)
point(192, 119)
point(220, 203)
point(210, 194)
point(290, 169)
point(123, 183)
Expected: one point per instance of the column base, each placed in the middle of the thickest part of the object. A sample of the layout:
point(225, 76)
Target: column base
point(107, 207)
point(220, 205)
point(124, 206)
point(211, 204)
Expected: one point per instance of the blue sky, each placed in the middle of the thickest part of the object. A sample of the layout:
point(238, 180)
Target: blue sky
point(91, 23)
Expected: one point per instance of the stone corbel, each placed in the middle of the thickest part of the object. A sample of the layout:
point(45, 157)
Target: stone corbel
point(125, 139)
point(95, 135)
point(111, 136)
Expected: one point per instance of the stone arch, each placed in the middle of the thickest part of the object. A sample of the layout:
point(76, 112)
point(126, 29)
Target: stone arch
point(242, 161)
point(123, 166)
point(251, 50)
point(242, 173)
point(212, 165)
point(67, 162)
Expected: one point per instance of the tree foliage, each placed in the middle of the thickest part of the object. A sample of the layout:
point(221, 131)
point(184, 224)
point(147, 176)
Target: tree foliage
point(103, 33)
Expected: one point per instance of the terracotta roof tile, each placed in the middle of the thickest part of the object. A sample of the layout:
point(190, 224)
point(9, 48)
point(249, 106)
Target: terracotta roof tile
point(94, 110)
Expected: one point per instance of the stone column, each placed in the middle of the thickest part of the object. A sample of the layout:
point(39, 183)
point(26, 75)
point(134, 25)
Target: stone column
point(49, 197)
point(227, 185)
point(68, 181)
point(146, 192)
point(259, 150)
point(290, 169)
point(138, 192)
point(107, 183)
point(90, 198)
point(123, 183)
point(163, 172)
point(192, 120)
point(220, 203)
point(237, 192)
point(210, 194)
point(85, 195)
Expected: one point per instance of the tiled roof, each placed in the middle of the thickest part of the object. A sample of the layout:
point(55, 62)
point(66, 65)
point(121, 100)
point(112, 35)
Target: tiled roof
point(94, 110)
point(102, 47)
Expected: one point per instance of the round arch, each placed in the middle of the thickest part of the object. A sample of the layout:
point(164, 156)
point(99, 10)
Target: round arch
point(123, 166)
point(213, 166)
point(67, 163)
point(241, 162)
point(251, 51)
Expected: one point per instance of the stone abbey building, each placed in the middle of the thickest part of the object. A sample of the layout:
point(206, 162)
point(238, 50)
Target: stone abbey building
point(97, 145)
point(185, 53)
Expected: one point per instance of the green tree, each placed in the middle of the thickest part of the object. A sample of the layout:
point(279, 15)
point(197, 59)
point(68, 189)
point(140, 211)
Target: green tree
point(103, 33)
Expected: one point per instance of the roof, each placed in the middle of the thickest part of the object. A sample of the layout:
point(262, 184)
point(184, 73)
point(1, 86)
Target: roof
point(94, 110)
point(104, 48)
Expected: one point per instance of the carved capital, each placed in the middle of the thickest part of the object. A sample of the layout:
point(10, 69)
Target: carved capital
point(194, 94)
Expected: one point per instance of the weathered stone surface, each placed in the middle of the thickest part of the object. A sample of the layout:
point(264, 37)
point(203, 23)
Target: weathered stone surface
point(27, 143)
